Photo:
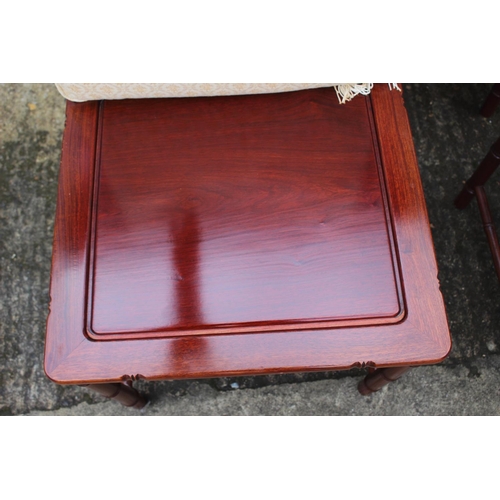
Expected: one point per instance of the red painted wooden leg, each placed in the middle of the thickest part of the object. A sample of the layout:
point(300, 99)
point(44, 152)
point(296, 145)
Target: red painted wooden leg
point(374, 381)
point(492, 101)
point(124, 393)
point(480, 176)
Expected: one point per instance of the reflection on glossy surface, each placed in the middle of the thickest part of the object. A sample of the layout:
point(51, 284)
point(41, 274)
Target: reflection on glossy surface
point(185, 258)
point(141, 207)
point(185, 352)
point(211, 212)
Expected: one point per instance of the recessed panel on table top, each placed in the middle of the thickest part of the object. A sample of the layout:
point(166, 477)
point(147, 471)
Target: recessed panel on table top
point(239, 213)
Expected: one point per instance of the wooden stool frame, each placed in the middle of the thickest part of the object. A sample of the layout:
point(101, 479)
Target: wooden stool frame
point(475, 187)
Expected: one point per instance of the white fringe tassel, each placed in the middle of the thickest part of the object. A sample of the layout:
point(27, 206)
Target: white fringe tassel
point(347, 91)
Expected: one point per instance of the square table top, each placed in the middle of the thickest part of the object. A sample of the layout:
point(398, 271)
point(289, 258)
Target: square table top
point(240, 235)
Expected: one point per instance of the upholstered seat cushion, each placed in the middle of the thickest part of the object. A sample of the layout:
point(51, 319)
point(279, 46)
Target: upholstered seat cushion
point(80, 92)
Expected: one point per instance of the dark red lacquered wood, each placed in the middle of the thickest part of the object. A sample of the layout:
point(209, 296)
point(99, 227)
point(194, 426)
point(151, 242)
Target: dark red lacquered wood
point(379, 378)
point(226, 213)
point(489, 227)
point(475, 187)
point(123, 393)
point(492, 101)
point(234, 200)
point(481, 175)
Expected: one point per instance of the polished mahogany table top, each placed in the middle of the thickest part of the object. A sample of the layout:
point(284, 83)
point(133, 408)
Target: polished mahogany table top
point(240, 235)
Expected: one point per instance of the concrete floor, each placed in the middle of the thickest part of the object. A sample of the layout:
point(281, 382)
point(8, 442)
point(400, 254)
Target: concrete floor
point(450, 138)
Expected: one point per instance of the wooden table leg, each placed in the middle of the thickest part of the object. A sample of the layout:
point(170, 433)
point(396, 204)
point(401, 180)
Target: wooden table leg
point(489, 227)
point(374, 381)
point(124, 393)
point(491, 102)
point(485, 170)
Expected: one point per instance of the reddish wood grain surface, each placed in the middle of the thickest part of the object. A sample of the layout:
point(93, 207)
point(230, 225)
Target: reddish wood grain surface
point(216, 214)
point(208, 233)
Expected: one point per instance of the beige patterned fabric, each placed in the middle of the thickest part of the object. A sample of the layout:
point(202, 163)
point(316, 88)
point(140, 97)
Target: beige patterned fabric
point(80, 92)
